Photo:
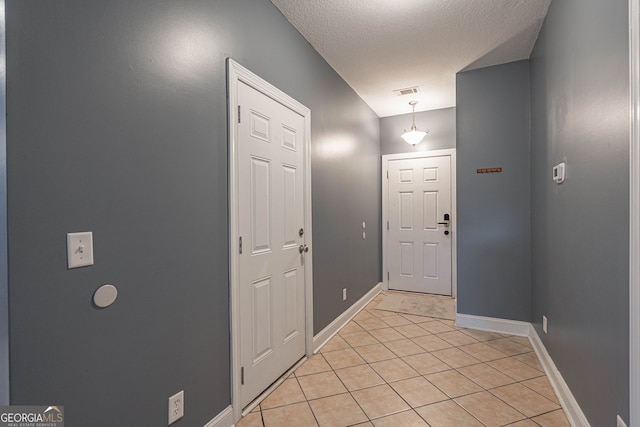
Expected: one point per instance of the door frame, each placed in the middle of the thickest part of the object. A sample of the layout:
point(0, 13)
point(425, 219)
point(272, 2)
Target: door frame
point(634, 218)
point(237, 73)
point(451, 152)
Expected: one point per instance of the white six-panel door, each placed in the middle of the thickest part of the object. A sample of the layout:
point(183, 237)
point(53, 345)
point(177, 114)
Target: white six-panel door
point(271, 215)
point(419, 237)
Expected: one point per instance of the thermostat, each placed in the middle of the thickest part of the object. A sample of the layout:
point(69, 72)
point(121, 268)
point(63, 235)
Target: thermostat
point(558, 173)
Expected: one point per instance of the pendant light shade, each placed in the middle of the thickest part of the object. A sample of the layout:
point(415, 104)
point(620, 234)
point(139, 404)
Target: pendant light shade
point(414, 136)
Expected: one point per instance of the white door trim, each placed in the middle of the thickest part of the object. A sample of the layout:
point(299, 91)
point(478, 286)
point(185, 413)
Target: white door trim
point(237, 73)
point(385, 214)
point(634, 218)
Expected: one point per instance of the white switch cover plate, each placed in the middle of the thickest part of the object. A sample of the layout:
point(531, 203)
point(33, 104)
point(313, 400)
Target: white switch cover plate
point(79, 249)
point(619, 422)
point(176, 407)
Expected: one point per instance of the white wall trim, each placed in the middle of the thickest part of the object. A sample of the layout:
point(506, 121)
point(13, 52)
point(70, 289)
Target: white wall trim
point(634, 226)
point(574, 414)
point(223, 419)
point(237, 73)
point(492, 324)
point(385, 211)
point(571, 408)
point(327, 333)
point(4, 250)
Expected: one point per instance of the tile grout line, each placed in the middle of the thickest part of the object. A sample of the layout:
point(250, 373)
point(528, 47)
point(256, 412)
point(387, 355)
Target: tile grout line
point(333, 370)
point(349, 391)
point(411, 408)
point(449, 398)
point(306, 400)
point(480, 362)
point(420, 375)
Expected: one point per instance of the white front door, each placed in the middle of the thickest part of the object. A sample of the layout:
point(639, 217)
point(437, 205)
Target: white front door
point(271, 221)
point(419, 234)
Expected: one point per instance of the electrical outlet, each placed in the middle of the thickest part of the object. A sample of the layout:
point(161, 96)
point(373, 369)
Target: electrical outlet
point(619, 422)
point(344, 294)
point(544, 324)
point(176, 407)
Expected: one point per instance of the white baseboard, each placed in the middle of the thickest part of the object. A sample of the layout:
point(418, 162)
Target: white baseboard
point(327, 333)
point(223, 419)
point(571, 408)
point(492, 324)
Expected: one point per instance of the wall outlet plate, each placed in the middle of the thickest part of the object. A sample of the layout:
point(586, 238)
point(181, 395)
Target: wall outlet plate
point(176, 407)
point(558, 173)
point(544, 324)
point(344, 294)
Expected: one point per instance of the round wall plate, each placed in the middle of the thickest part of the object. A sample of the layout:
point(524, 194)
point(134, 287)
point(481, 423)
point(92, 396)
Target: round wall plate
point(105, 295)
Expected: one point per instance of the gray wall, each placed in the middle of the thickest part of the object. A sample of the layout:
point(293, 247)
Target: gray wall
point(346, 189)
point(580, 115)
point(494, 234)
point(440, 123)
point(117, 124)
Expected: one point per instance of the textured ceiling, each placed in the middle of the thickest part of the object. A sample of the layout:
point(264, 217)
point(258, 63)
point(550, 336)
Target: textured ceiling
point(378, 46)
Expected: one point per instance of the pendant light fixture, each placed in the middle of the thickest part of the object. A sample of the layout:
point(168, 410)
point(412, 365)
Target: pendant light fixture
point(414, 136)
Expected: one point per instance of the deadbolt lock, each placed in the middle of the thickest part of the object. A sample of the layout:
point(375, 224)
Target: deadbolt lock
point(301, 232)
point(446, 220)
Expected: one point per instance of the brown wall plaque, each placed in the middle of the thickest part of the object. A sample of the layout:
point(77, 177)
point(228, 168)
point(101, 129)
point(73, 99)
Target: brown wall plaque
point(489, 170)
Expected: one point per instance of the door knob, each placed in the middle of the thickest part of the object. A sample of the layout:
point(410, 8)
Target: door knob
point(303, 249)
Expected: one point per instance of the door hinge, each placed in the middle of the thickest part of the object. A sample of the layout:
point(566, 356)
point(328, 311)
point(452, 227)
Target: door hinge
point(241, 244)
point(242, 375)
point(239, 114)
point(387, 174)
point(387, 225)
point(388, 278)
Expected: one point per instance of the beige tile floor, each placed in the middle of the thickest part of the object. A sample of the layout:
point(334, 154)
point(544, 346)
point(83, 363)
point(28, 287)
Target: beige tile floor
point(390, 369)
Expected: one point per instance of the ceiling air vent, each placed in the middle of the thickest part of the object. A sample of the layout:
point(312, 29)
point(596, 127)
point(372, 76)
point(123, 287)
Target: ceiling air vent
point(406, 91)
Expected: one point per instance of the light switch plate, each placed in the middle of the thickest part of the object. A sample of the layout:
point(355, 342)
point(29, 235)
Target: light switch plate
point(79, 249)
